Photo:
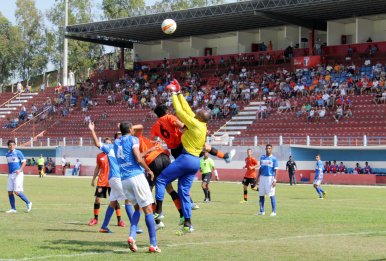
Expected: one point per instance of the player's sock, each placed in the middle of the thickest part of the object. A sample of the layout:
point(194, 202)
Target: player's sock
point(149, 218)
point(317, 191)
point(158, 208)
point(134, 223)
point(191, 200)
point(245, 195)
point(118, 212)
point(176, 201)
point(209, 195)
point(24, 198)
point(129, 211)
point(96, 210)
point(321, 190)
point(205, 192)
point(273, 204)
point(217, 153)
point(187, 222)
point(12, 201)
point(261, 203)
point(109, 213)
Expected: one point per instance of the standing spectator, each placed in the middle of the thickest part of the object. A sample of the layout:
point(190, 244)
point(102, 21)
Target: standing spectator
point(63, 163)
point(291, 167)
point(76, 169)
point(267, 179)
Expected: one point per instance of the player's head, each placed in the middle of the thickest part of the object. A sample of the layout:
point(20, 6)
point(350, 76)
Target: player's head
point(290, 157)
point(161, 110)
point(317, 157)
point(125, 127)
point(11, 144)
point(117, 135)
point(203, 115)
point(206, 154)
point(107, 140)
point(268, 149)
point(249, 152)
point(367, 163)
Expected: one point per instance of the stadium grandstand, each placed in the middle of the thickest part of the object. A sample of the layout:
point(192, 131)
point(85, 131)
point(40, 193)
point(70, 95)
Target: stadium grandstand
point(303, 72)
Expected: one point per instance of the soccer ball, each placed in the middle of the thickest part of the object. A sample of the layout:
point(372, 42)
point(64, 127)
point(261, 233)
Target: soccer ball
point(168, 26)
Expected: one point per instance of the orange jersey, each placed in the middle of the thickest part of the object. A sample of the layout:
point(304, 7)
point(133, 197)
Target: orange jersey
point(166, 129)
point(145, 144)
point(248, 163)
point(104, 169)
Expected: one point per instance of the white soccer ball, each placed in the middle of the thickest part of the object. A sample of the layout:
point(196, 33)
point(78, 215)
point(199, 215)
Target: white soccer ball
point(168, 26)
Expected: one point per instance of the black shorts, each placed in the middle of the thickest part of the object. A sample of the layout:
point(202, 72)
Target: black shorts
point(101, 192)
point(157, 166)
point(177, 151)
point(249, 181)
point(40, 167)
point(206, 177)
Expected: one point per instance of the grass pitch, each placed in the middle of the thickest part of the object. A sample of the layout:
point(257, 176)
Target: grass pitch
point(349, 225)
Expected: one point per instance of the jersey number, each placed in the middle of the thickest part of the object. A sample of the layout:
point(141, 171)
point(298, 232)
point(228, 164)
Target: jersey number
point(120, 153)
point(165, 133)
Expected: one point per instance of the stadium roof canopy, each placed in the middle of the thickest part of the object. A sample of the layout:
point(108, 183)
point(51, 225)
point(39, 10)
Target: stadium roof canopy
point(237, 16)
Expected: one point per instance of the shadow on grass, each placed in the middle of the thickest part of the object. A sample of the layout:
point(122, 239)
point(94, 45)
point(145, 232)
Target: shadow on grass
point(69, 230)
point(117, 247)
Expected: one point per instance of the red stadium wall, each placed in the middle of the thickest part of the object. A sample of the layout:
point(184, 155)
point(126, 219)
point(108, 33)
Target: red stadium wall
point(307, 177)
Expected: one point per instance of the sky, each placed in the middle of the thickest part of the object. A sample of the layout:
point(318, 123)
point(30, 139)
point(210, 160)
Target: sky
point(8, 7)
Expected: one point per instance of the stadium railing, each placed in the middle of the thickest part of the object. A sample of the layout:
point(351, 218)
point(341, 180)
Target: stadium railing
point(336, 141)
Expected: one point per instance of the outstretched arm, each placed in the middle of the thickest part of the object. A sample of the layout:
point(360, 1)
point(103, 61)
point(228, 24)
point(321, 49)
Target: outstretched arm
point(91, 126)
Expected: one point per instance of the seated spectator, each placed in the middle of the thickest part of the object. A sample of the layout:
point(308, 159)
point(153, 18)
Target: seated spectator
point(338, 114)
point(104, 115)
point(348, 113)
point(334, 168)
point(367, 169)
point(321, 113)
point(234, 108)
point(87, 119)
point(326, 167)
point(342, 168)
point(33, 162)
point(357, 169)
point(284, 106)
point(311, 115)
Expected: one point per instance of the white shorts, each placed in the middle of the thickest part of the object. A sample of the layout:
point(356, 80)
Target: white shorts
point(265, 186)
point(116, 192)
point(137, 190)
point(317, 182)
point(15, 182)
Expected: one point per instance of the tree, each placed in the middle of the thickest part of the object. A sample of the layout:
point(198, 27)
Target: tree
point(11, 46)
point(34, 57)
point(81, 55)
point(113, 9)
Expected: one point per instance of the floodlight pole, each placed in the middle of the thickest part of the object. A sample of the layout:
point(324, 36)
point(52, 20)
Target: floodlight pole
point(65, 44)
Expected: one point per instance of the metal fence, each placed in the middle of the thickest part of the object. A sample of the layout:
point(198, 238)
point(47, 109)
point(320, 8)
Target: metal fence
point(335, 141)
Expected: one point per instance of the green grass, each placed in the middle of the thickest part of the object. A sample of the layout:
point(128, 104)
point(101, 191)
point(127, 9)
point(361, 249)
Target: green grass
point(349, 225)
